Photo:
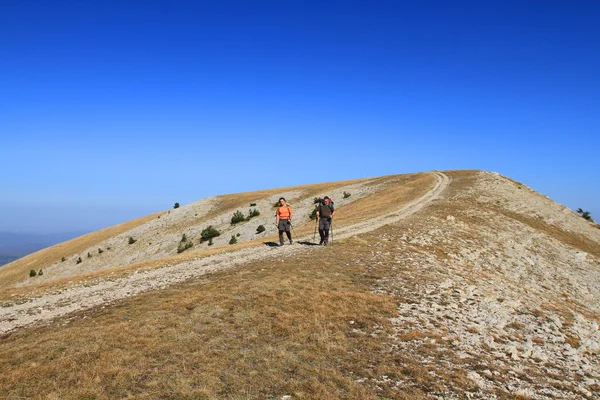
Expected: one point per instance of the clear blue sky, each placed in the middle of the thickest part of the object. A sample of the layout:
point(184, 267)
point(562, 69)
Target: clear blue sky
point(110, 110)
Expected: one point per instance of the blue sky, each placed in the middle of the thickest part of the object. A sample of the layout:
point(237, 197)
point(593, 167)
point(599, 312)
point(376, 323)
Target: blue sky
point(113, 110)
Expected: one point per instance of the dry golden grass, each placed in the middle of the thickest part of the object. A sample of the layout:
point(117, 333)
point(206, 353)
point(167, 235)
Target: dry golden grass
point(14, 272)
point(262, 331)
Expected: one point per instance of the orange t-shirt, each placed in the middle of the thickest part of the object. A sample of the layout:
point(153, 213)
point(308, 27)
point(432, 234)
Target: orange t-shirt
point(284, 212)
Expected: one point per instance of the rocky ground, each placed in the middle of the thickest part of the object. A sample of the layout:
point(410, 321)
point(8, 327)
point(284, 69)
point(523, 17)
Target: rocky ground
point(483, 292)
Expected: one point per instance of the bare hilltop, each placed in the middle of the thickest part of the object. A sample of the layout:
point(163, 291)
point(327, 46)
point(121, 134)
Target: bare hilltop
point(437, 285)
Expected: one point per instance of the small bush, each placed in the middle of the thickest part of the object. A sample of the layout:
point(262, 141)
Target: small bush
point(176, 205)
point(237, 217)
point(208, 234)
point(40, 272)
point(132, 240)
point(238, 234)
point(252, 204)
point(210, 242)
point(100, 251)
point(260, 229)
point(62, 259)
point(183, 238)
point(233, 240)
point(184, 246)
point(252, 213)
point(32, 273)
point(89, 255)
point(79, 260)
point(346, 195)
point(585, 214)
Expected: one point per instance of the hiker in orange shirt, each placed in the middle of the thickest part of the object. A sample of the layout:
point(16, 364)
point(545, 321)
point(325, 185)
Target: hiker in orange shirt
point(283, 220)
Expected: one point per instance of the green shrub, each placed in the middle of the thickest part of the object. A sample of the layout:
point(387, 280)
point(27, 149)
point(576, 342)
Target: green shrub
point(132, 240)
point(100, 251)
point(40, 272)
point(79, 260)
point(238, 234)
point(585, 214)
point(252, 213)
point(260, 229)
point(32, 273)
point(252, 204)
point(183, 238)
point(89, 255)
point(208, 234)
point(346, 195)
point(62, 259)
point(233, 240)
point(237, 217)
point(184, 246)
point(176, 205)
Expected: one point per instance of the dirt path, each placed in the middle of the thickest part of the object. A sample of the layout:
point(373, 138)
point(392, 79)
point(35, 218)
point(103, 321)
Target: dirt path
point(84, 296)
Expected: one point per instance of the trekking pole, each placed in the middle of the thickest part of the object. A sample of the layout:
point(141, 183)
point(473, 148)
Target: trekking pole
point(315, 234)
point(331, 227)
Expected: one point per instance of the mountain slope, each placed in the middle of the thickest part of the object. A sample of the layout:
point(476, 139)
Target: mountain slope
point(440, 285)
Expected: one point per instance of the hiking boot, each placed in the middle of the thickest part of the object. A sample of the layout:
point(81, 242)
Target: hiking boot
point(291, 241)
point(280, 244)
point(321, 242)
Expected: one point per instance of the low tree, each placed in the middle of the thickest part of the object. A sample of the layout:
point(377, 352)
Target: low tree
point(176, 205)
point(238, 216)
point(32, 273)
point(208, 234)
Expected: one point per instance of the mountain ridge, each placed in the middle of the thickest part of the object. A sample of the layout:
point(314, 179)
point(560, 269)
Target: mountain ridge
point(461, 283)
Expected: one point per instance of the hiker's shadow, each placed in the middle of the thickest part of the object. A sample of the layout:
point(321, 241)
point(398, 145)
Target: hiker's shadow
point(274, 244)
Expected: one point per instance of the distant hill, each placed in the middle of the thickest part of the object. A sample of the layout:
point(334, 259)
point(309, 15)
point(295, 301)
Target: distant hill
point(14, 245)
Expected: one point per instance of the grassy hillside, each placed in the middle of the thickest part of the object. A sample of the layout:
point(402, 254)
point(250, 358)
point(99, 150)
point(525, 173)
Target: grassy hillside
point(490, 291)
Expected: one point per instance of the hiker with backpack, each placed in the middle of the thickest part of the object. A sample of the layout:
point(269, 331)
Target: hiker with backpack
point(283, 220)
point(325, 212)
